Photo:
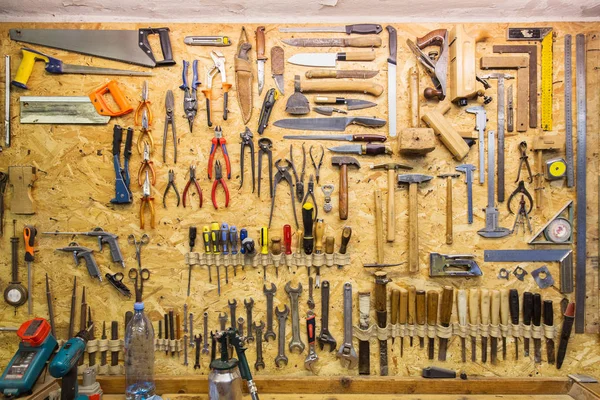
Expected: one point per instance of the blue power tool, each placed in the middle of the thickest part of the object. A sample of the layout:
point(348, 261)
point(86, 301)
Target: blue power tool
point(36, 348)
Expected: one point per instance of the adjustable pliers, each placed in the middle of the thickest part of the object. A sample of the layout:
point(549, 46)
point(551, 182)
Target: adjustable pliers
point(218, 67)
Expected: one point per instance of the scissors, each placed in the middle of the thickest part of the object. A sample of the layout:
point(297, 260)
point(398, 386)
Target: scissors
point(145, 239)
point(138, 279)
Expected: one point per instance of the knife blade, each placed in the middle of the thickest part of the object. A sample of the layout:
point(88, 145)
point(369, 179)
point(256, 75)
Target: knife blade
point(445, 315)
point(362, 149)
point(565, 333)
point(474, 320)
point(329, 59)
point(432, 309)
point(365, 41)
point(351, 104)
point(536, 319)
point(514, 317)
point(260, 57)
point(549, 321)
point(329, 110)
point(364, 137)
point(361, 29)
point(485, 320)
point(329, 124)
point(527, 310)
point(393, 44)
point(494, 317)
point(340, 73)
point(278, 67)
point(461, 308)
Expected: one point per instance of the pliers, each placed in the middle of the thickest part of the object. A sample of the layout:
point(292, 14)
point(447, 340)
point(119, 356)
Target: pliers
point(145, 131)
point(524, 160)
point(265, 146)
point(171, 184)
point(283, 174)
point(217, 141)
point(146, 165)
point(169, 120)
point(190, 98)
point(219, 179)
point(299, 181)
point(144, 105)
point(147, 201)
point(187, 186)
point(218, 67)
point(315, 165)
point(310, 191)
point(247, 142)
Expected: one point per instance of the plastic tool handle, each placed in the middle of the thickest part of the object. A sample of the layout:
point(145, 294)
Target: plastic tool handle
point(421, 307)
point(90, 263)
point(127, 152)
point(363, 29)
point(260, 43)
point(412, 304)
point(485, 306)
point(264, 240)
point(537, 309)
point(310, 328)
point(29, 57)
point(287, 239)
point(461, 306)
point(117, 140)
point(548, 313)
point(403, 306)
point(307, 222)
point(393, 43)
point(473, 306)
point(215, 235)
point(432, 307)
point(165, 45)
point(206, 239)
point(495, 312)
point(346, 234)
point(527, 307)
point(192, 236)
point(513, 300)
point(102, 107)
point(504, 306)
point(319, 231)
point(29, 233)
point(395, 303)
point(446, 309)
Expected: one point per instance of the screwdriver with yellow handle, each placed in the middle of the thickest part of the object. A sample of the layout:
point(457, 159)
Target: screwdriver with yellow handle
point(29, 233)
point(56, 66)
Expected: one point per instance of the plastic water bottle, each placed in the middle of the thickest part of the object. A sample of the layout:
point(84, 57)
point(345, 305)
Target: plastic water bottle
point(139, 357)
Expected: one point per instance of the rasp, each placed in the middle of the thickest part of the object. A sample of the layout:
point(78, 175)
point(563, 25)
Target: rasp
point(381, 281)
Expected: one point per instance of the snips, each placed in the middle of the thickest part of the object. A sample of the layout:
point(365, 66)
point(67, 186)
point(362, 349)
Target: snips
point(217, 68)
point(146, 165)
point(143, 106)
point(169, 120)
point(265, 147)
point(192, 179)
point(316, 165)
point(144, 132)
point(522, 190)
point(190, 98)
point(283, 174)
point(171, 184)
point(219, 179)
point(218, 141)
point(147, 202)
point(247, 141)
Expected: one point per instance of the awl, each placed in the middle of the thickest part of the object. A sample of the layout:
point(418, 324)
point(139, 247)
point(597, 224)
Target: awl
point(351, 104)
point(328, 124)
point(370, 149)
point(361, 29)
point(365, 137)
point(445, 315)
point(365, 41)
point(329, 59)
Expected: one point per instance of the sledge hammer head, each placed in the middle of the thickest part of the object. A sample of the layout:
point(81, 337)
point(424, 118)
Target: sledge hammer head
point(413, 178)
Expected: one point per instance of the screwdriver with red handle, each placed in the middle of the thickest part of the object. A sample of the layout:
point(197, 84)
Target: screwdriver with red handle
point(29, 234)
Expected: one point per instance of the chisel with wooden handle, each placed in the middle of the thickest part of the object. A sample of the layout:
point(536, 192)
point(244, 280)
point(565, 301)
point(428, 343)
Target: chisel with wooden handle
point(536, 319)
point(485, 320)
point(432, 309)
point(565, 333)
point(402, 315)
point(364, 347)
point(461, 307)
point(421, 314)
point(495, 319)
point(513, 299)
point(549, 321)
point(473, 320)
point(381, 281)
point(412, 310)
point(445, 315)
point(527, 310)
point(395, 302)
point(504, 306)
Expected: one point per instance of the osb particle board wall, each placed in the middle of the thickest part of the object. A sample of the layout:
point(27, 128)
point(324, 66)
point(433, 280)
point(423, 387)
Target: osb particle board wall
point(76, 181)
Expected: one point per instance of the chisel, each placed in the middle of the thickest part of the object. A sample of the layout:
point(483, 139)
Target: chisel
point(527, 308)
point(513, 299)
point(103, 353)
point(172, 329)
point(421, 314)
point(445, 315)
point(461, 307)
point(402, 315)
point(114, 335)
point(565, 333)
point(412, 310)
point(504, 306)
point(549, 321)
point(381, 280)
point(432, 309)
point(537, 321)
point(474, 320)
point(485, 320)
point(495, 315)
point(167, 334)
point(394, 303)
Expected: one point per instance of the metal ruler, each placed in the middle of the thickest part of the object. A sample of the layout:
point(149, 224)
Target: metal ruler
point(569, 112)
point(547, 78)
point(581, 246)
point(7, 102)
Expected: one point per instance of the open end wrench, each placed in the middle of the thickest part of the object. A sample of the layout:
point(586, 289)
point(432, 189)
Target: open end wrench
point(281, 318)
point(205, 348)
point(258, 329)
point(249, 305)
point(294, 294)
point(347, 354)
point(270, 334)
point(232, 307)
point(325, 336)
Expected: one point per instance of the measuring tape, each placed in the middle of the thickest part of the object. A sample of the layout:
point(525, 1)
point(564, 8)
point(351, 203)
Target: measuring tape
point(555, 169)
point(547, 78)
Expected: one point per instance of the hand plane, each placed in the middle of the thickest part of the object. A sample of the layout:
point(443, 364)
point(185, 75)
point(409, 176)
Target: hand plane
point(435, 63)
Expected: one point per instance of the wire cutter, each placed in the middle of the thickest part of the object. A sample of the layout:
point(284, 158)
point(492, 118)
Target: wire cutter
point(145, 131)
point(195, 182)
point(283, 173)
point(146, 165)
point(247, 142)
point(315, 165)
point(143, 106)
point(524, 160)
point(169, 120)
point(218, 68)
point(147, 202)
point(219, 179)
point(190, 98)
point(171, 184)
point(265, 146)
point(217, 141)
point(299, 180)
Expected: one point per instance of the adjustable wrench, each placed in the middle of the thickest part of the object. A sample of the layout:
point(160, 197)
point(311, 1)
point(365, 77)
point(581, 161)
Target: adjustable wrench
point(260, 363)
point(325, 337)
point(296, 342)
point(347, 354)
point(281, 318)
point(205, 348)
point(270, 293)
point(310, 302)
point(312, 357)
point(249, 305)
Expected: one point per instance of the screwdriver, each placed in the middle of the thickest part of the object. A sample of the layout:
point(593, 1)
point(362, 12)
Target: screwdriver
point(527, 309)
point(513, 299)
point(412, 309)
point(207, 247)
point(215, 233)
point(432, 309)
point(29, 233)
point(233, 241)
point(287, 239)
point(421, 314)
point(461, 307)
point(307, 221)
point(192, 237)
point(504, 306)
point(224, 237)
point(319, 231)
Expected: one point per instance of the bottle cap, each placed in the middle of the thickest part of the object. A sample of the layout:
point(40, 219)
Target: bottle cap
point(138, 306)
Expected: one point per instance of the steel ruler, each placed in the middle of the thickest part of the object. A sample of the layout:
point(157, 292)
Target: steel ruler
point(547, 78)
point(569, 112)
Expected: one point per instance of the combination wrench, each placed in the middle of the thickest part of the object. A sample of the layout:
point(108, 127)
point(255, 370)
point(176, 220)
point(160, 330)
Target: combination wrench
point(258, 329)
point(249, 305)
point(294, 294)
point(269, 293)
point(205, 348)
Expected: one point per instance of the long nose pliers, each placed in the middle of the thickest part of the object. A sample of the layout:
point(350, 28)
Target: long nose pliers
point(169, 120)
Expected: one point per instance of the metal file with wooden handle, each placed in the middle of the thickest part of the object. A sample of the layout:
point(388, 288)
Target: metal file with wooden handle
point(445, 315)
point(421, 313)
point(412, 308)
point(485, 320)
point(495, 319)
point(504, 311)
point(341, 86)
point(473, 319)
point(395, 302)
point(402, 315)
point(432, 310)
point(461, 308)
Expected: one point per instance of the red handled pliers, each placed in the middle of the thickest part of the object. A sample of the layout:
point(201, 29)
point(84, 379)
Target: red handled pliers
point(187, 186)
point(219, 179)
point(217, 141)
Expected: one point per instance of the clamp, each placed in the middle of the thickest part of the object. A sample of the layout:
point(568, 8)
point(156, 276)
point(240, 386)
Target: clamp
point(169, 120)
point(219, 179)
point(188, 184)
point(246, 137)
point(524, 160)
point(171, 184)
point(218, 141)
point(190, 98)
point(265, 146)
point(146, 165)
point(218, 68)
point(521, 189)
point(147, 202)
point(317, 166)
point(145, 131)
point(283, 174)
point(143, 106)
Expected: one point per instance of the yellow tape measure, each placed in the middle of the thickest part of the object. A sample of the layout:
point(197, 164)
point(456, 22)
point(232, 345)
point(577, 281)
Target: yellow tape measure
point(547, 81)
point(556, 169)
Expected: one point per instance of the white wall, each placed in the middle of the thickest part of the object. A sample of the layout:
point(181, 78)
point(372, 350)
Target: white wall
point(308, 11)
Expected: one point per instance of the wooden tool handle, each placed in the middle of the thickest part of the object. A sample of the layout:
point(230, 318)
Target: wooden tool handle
point(448, 135)
point(371, 137)
point(461, 306)
point(485, 306)
point(412, 304)
point(527, 307)
point(433, 38)
point(343, 193)
point(432, 307)
point(537, 310)
point(260, 43)
point(395, 304)
point(325, 99)
point(374, 149)
point(276, 246)
point(548, 313)
point(391, 212)
point(322, 73)
point(504, 306)
point(319, 231)
point(346, 235)
point(329, 244)
point(21, 179)
point(446, 308)
point(360, 56)
point(415, 117)
point(178, 323)
point(420, 307)
point(380, 291)
point(299, 238)
point(363, 41)
point(495, 310)
point(379, 226)
point(341, 86)
point(413, 229)
point(403, 306)
point(473, 306)
point(449, 228)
